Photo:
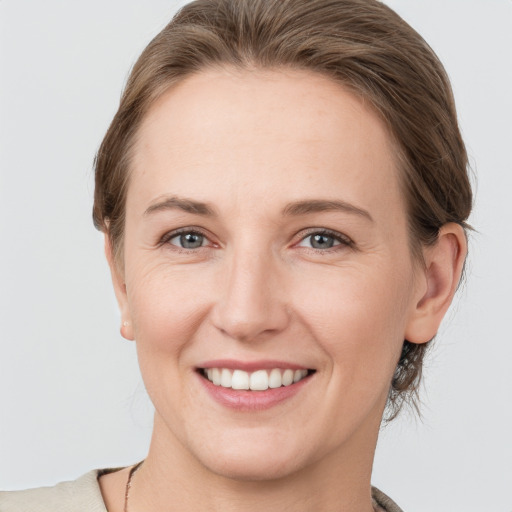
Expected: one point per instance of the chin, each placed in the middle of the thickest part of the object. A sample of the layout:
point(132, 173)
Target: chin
point(252, 459)
point(253, 469)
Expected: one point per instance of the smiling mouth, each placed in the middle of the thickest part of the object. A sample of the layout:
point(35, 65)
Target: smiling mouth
point(259, 380)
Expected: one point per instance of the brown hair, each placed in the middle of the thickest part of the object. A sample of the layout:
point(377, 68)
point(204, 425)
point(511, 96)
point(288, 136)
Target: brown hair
point(362, 44)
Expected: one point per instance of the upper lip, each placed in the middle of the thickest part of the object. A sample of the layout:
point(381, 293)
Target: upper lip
point(250, 366)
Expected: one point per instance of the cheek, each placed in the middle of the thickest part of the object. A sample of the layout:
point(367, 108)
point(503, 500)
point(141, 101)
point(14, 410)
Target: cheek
point(166, 303)
point(168, 306)
point(358, 316)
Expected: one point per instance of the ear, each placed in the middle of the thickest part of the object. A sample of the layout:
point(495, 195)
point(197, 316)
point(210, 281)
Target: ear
point(437, 284)
point(120, 290)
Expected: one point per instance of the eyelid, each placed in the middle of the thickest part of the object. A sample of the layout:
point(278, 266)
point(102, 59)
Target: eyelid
point(343, 239)
point(189, 229)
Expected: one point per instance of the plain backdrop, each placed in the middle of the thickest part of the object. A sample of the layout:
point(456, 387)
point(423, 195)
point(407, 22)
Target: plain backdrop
point(71, 397)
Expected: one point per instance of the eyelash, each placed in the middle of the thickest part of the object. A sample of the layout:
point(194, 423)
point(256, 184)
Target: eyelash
point(184, 231)
point(343, 240)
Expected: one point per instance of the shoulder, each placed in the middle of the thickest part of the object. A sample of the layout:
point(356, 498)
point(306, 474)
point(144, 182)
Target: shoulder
point(385, 503)
point(81, 495)
point(84, 495)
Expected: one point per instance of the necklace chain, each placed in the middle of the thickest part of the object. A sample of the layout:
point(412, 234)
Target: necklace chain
point(129, 484)
point(138, 465)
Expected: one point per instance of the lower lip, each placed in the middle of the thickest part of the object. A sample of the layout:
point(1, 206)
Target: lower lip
point(242, 400)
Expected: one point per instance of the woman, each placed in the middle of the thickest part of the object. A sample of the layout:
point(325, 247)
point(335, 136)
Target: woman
point(284, 197)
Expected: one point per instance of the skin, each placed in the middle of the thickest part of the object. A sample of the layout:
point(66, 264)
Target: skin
point(249, 144)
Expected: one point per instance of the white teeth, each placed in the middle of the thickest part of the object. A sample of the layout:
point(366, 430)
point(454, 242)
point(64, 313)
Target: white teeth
point(259, 380)
point(225, 378)
point(240, 380)
point(274, 379)
point(299, 375)
point(287, 377)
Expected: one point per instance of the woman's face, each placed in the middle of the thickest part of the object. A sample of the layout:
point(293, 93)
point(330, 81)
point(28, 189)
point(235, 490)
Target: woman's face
point(265, 233)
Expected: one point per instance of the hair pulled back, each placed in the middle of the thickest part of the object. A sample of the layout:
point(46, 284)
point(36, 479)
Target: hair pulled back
point(363, 45)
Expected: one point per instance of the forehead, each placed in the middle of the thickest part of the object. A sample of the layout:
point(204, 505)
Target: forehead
point(261, 135)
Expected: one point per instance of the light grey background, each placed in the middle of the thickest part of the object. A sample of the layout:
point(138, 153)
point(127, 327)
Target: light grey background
point(71, 397)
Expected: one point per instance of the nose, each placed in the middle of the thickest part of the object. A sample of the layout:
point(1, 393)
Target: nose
point(251, 303)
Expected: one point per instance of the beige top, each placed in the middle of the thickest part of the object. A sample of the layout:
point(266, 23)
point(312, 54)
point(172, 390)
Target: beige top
point(84, 495)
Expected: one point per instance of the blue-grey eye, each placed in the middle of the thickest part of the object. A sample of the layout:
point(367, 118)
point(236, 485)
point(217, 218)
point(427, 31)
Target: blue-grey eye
point(188, 240)
point(322, 241)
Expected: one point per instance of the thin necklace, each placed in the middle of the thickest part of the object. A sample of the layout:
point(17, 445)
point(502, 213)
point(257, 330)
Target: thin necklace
point(129, 484)
point(376, 506)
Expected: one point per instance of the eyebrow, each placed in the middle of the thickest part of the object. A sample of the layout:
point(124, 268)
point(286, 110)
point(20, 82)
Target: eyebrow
point(320, 205)
point(296, 208)
point(180, 203)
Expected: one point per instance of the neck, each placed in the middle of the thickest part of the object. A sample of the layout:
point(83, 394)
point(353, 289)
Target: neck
point(173, 479)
